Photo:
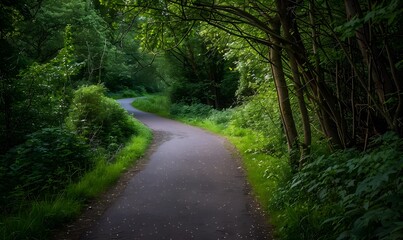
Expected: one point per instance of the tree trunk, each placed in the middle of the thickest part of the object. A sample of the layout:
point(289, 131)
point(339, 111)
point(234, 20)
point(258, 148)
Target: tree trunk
point(332, 122)
point(287, 20)
point(374, 60)
point(283, 99)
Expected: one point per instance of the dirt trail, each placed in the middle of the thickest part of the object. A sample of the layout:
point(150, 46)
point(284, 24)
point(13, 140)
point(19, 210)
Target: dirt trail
point(192, 187)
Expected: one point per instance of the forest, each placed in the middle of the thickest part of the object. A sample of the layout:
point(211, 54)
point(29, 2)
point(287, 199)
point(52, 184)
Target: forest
point(310, 93)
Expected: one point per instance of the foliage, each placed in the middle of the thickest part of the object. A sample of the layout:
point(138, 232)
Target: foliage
point(221, 117)
point(124, 93)
point(38, 72)
point(343, 62)
point(100, 120)
point(153, 103)
point(45, 163)
point(197, 71)
point(260, 114)
point(382, 12)
point(41, 95)
point(127, 68)
point(45, 215)
point(193, 111)
point(346, 195)
point(36, 222)
point(105, 172)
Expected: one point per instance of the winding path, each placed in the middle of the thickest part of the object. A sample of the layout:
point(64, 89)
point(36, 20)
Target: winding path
point(192, 187)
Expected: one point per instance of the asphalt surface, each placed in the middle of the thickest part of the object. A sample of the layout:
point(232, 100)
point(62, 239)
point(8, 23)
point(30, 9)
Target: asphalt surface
point(192, 187)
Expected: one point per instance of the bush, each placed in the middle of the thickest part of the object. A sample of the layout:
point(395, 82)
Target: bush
point(347, 195)
point(222, 117)
point(45, 163)
point(260, 115)
point(124, 93)
point(157, 104)
point(195, 111)
point(99, 119)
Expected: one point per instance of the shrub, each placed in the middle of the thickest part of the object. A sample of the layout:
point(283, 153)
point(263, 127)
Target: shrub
point(347, 195)
point(259, 115)
point(99, 119)
point(124, 93)
point(157, 104)
point(195, 111)
point(45, 163)
point(222, 117)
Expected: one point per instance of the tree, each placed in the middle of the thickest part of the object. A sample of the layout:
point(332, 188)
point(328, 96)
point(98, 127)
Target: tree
point(297, 27)
point(239, 20)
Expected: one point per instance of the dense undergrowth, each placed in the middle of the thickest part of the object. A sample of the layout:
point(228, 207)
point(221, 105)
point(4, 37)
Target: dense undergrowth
point(346, 194)
point(47, 179)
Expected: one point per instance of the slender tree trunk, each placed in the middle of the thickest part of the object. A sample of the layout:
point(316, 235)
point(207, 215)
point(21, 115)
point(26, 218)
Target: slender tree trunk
point(331, 120)
point(398, 116)
point(287, 20)
point(213, 85)
point(306, 124)
point(283, 99)
point(375, 61)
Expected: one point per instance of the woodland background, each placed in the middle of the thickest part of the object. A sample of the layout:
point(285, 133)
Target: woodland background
point(309, 91)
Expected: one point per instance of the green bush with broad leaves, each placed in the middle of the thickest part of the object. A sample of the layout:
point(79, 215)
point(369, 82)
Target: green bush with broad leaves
point(45, 163)
point(346, 195)
point(99, 119)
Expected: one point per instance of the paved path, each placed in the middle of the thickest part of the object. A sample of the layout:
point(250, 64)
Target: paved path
point(191, 188)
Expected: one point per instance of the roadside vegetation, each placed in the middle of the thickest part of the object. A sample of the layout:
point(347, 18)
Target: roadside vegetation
point(62, 141)
point(310, 92)
point(347, 194)
point(58, 169)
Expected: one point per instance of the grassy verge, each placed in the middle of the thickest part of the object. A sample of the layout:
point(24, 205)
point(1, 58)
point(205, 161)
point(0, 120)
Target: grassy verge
point(105, 174)
point(346, 194)
point(154, 104)
point(36, 221)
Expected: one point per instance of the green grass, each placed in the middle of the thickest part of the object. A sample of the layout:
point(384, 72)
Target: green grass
point(154, 103)
point(105, 174)
point(264, 172)
point(37, 221)
point(42, 216)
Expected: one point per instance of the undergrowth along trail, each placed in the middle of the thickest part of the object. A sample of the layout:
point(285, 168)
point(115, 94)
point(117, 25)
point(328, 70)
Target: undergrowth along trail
point(347, 194)
point(111, 151)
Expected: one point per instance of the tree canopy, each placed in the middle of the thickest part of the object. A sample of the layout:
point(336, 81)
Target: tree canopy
point(313, 71)
point(335, 61)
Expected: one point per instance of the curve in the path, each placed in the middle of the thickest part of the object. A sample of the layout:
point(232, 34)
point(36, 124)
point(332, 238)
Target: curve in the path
point(191, 188)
